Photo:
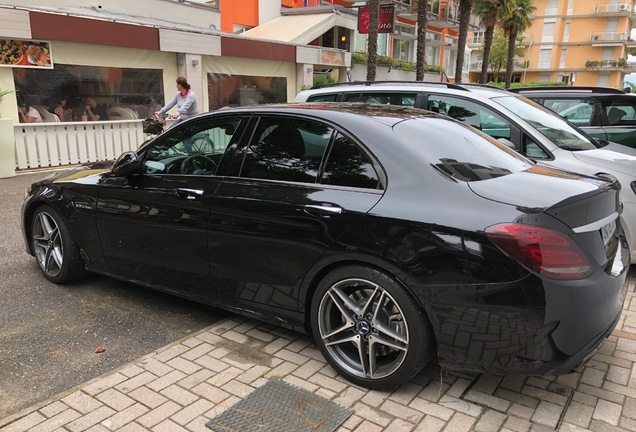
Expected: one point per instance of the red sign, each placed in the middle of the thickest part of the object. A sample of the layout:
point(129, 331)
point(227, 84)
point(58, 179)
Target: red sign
point(386, 21)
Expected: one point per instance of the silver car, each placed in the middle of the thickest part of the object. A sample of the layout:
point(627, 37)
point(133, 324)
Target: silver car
point(528, 127)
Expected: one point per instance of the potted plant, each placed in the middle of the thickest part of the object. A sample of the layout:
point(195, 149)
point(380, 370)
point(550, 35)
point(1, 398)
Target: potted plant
point(3, 93)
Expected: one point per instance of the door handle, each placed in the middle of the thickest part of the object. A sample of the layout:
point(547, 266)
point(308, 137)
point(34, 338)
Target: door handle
point(190, 194)
point(322, 210)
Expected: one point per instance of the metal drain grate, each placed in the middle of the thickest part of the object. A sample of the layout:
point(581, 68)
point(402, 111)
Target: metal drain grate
point(278, 406)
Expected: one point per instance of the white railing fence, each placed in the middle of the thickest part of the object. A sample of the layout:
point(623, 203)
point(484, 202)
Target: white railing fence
point(58, 144)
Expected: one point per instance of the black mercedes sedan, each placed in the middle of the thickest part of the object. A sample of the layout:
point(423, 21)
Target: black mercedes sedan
point(393, 235)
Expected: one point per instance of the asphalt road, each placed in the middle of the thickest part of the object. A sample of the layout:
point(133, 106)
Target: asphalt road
point(49, 333)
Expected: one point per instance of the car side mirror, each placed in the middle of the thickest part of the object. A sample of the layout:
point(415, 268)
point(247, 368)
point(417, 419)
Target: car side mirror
point(126, 163)
point(507, 143)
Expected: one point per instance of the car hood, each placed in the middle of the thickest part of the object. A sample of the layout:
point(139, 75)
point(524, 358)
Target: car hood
point(620, 148)
point(609, 159)
point(537, 188)
point(81, 174)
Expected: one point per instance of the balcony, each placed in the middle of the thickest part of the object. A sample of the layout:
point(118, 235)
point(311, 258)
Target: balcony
point(475, 66)
point(613, 9)
point(476, 40)
point(440, 13)
point(609, 38)
point(443, 14)
point(620, 64)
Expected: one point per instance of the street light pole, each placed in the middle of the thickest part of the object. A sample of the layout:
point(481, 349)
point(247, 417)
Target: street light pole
point(525, 70)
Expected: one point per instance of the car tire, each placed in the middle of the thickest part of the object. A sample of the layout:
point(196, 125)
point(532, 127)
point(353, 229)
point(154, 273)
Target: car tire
point(55, 251)
point(369, 328)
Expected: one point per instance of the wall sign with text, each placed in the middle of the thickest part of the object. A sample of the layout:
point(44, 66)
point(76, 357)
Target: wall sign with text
point(386, 21)
point(25, 53)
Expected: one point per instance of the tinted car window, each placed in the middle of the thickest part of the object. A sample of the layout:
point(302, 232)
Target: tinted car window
point(286, 149)
point(533, 150)
point(457, 151)
point(471, 113)
point(348, 165)
point(195, 149)
point(620, 111)
point(577, 111)
point(323, 98)
point(385, 98)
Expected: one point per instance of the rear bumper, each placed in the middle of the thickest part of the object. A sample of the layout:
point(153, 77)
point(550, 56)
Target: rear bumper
point(577, 361)
point(629, 226)
point(489, 329)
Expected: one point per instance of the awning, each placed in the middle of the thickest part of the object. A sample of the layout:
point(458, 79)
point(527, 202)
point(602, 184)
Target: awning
point(300, 29)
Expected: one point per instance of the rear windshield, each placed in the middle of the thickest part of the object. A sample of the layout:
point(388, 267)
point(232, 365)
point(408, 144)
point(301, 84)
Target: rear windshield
point(459, 151)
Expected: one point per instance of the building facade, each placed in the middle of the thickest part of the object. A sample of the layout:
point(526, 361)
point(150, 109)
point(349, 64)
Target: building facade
point(579, 42)
point(254, 18)
point(131, 59)
point(233, 52)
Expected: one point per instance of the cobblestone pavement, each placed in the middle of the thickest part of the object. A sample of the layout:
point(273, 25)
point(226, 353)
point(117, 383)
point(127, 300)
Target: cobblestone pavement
point(184, 385)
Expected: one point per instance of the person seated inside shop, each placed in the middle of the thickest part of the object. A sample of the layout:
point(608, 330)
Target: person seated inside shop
point(27, 113)
point(62, 108)
point(94, 111)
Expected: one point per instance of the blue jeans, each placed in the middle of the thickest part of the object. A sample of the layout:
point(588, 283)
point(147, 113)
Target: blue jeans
point(176, 122)
point(181, 118)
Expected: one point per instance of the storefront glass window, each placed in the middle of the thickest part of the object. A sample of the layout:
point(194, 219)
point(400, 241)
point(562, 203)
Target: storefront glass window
point(131, 89)
point(240, 90)
point(401, 50)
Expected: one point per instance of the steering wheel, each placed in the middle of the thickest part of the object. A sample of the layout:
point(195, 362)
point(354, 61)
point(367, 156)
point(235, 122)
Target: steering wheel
point(197, 164)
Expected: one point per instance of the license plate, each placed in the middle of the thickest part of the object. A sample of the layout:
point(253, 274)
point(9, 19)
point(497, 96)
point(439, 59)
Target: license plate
point(608, 231)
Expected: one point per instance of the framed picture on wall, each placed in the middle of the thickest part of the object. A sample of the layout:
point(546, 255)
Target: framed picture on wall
point(26, 53)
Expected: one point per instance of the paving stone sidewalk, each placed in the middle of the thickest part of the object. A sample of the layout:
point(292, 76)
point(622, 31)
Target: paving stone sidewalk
point(184, 385)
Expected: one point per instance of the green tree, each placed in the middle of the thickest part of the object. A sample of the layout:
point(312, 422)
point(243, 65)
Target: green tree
point(490, 12)
point(372, 39)
point(465, 9)
point(513, 25)
point(498, 58)
point(421, 40)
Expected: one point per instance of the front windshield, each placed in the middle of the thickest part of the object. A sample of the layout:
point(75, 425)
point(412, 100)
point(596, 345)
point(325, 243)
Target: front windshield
point(551, 125)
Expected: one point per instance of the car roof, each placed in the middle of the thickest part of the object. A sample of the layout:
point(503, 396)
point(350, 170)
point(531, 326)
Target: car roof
point(567, 91)
point(395, 112)
point(451, 88)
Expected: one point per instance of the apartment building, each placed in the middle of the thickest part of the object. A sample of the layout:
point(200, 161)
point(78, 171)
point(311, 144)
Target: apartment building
point(585, 43)
point(290, 21)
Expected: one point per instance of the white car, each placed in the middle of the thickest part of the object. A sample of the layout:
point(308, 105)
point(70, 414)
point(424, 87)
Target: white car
point(531, 129)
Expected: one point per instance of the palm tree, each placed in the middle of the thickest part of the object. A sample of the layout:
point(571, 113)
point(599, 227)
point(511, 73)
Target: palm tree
point(514, 24)
point(421, 39)
point(490, 12)
point(372, 41)
point(465, 8)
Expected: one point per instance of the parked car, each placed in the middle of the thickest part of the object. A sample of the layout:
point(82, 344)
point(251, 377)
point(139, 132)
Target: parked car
point(391, 234)
point(602, 112)
point(529, 128)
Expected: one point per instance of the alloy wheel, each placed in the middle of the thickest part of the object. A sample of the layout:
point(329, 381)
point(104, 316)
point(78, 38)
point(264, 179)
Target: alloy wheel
point(363, 328)
point(47, 244)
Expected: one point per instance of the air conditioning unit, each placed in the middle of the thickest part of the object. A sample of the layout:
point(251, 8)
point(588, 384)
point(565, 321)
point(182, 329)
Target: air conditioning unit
point(596, 37)
point(623, 7)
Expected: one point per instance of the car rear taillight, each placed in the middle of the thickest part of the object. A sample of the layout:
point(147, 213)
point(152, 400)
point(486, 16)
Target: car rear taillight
point(550, 253)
